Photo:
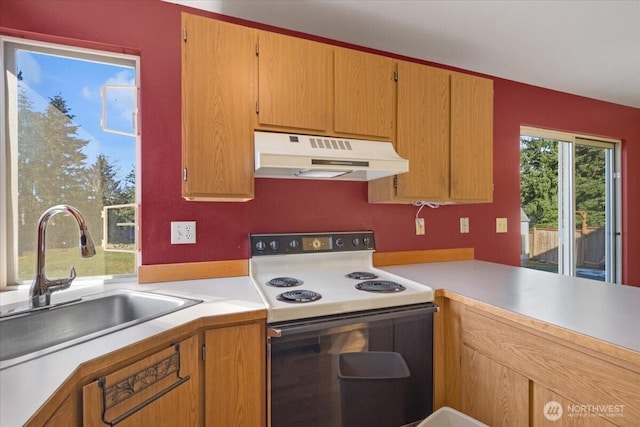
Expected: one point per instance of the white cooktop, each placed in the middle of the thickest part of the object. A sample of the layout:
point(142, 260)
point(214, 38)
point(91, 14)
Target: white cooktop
point(325, 273)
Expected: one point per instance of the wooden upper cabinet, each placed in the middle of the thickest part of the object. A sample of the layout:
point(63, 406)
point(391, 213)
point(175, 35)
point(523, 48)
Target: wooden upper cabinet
point(364, 94)
point(471, 138)
point(423, 131)
point(217, 110)
point(445, 130)
point(294, 82)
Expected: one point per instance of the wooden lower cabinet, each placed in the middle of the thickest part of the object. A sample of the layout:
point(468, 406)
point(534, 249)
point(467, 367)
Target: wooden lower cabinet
point(552, 410)
point(492, 393)
point(160, 390)
point(235, 385)
point(506, 373)
point(65, 415)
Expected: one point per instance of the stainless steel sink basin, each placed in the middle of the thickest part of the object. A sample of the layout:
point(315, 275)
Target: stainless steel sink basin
point(43, 331)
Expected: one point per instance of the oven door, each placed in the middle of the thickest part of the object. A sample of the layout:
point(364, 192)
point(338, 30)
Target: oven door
point(303, 363)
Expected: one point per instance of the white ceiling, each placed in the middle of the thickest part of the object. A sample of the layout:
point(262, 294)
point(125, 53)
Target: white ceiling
point(588, 48)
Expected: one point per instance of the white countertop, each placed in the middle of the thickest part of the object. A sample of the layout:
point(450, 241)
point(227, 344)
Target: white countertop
point(25, 387)
point(604, 311)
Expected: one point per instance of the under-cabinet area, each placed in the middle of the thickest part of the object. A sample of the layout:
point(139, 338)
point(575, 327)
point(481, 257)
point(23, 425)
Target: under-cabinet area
point(505, 373)
point(237, 79)
point(214, 377)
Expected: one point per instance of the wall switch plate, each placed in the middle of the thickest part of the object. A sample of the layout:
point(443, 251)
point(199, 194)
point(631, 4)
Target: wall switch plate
point(464, 225)
point(419, 226)
point(183, 232)
point(501, 225)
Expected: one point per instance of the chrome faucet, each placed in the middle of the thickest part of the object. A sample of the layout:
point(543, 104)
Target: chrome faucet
point(42, 288)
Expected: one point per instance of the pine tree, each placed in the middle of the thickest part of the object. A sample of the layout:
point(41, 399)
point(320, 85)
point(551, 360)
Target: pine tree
point(539, 180)
point(51, 165)
point(106, 189)
point(29, 206)
point(590, 186)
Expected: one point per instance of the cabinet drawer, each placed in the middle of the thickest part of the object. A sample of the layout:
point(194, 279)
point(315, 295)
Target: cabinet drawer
point(161, 389)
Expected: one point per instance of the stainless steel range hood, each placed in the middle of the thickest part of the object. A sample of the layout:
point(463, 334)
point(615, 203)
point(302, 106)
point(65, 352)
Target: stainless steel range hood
point(285, 155)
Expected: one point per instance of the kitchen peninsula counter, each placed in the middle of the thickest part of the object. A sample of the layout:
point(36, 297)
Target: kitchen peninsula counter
point(582, 307)
point(510, 341)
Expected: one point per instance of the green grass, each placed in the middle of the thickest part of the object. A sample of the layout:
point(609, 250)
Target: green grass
point(540, 266)
point(58, 263)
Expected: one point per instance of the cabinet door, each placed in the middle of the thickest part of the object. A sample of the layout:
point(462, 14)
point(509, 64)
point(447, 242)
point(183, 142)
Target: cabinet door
point(493, 393)
point(471, 138)
point(217, 91)
point(160, 390)
point(293, 82)
point(235, 391)
point(552, 410)
point(364, 94)
point(423, 131)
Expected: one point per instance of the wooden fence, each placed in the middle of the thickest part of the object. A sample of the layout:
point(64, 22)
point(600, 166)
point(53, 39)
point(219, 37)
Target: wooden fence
point(590, 247)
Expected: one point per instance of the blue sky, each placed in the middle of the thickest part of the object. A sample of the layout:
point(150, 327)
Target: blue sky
point(79, 83)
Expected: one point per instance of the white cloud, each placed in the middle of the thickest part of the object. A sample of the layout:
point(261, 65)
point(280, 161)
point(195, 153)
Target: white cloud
point(121, 101)
point(88, 94)
point(123, 77)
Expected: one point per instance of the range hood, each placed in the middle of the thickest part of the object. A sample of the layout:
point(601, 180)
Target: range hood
point(285, 155)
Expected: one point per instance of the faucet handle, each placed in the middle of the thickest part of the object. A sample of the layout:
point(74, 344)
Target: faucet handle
point(62, 283)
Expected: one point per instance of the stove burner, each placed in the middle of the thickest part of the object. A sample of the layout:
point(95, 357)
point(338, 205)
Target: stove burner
point(284, 282)
point(380, 286)
point(362, 275)
point(300, 295)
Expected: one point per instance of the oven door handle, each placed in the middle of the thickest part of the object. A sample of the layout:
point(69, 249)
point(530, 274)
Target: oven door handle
point(300, 326)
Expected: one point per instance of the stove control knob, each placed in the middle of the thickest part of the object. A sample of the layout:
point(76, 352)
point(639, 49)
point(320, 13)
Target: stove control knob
point(261, 245)
point(339, 242)
point(294, 244)
point(274, 245)
point(356, 242)
point(366, 241)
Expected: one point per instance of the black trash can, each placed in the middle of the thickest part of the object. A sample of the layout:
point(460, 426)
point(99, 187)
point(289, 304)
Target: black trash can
point(373, 389)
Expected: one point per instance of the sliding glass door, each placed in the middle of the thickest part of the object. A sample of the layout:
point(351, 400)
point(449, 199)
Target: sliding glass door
point(569, 200)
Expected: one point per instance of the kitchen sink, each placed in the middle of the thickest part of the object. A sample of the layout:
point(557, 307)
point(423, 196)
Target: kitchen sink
point(42, 331)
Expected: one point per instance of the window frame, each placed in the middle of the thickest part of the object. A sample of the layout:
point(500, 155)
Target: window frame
point(614, 208)
point(8, 176)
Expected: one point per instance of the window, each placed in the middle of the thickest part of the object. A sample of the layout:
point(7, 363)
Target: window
point(70, 136)
point(570, 204)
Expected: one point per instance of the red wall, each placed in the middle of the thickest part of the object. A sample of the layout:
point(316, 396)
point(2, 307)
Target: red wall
point(152, 30)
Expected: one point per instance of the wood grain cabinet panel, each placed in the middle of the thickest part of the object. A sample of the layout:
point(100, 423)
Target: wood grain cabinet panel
point(235, 390)
point(492, 393)
point(552, 410)
point(423, 132)
point(364, 94)
point(583, 377)
point(67, 414)
point(471, 138)
point(445, 130)
point(294, 82)
point(160, 390)
point(218, 75)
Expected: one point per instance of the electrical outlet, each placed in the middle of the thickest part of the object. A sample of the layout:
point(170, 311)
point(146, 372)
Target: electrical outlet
point(419, 226)
point(501, 225)
point(183, 232)
point(464, 225)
